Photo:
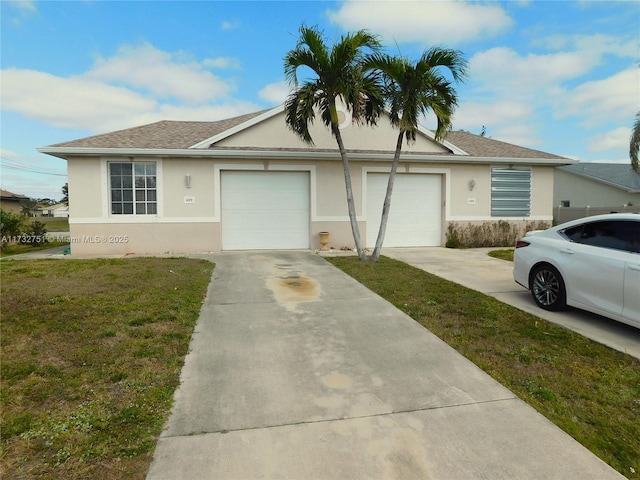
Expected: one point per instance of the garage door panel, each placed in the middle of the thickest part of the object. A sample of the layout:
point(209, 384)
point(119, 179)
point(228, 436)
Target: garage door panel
point(265, 210)
point(415, 215)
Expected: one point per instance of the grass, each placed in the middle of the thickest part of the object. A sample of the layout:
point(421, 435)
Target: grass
point(91, 356)
point(54, 224)
point(505, 254)
point(590, 391)
point(16, 248)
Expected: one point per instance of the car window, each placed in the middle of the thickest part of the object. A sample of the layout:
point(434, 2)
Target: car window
point(615, 234)
point(573, 234)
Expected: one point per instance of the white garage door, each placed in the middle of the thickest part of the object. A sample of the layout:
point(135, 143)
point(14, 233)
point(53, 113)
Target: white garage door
point(264, 210)
point(415, 216)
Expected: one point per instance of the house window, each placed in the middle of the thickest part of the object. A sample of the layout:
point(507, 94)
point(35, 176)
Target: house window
point(133, 188)
point(565, 203)
point(510, 192)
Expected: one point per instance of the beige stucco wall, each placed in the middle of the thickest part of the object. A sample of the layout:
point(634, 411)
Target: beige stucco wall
point(582, 191)
point(86, 184)
point(542, 179)
point(274, 133)
point(136, 238)
point(11, 206)
point(195, 227)
point(201, 194)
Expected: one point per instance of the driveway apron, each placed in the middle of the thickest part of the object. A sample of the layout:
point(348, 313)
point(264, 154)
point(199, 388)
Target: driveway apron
point(297, 371)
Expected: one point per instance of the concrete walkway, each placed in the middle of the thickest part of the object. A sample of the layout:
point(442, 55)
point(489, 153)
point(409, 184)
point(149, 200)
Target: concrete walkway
point(296, 371)
point(474, 269)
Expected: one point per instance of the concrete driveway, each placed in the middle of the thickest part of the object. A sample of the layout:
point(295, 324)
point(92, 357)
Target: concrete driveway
point(296, 371)
point(474, 269)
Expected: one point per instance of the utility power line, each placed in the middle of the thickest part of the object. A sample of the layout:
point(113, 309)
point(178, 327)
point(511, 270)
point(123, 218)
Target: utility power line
point(22, 167)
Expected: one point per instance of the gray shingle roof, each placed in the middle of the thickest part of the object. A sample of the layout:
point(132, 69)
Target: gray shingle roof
point(620, 175)
point(164, 134)
point(6, 195)
point(480, 146)
point(182, 135)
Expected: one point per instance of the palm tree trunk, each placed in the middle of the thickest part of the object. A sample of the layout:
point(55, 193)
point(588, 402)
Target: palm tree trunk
point(387, 200)
point(350, 203)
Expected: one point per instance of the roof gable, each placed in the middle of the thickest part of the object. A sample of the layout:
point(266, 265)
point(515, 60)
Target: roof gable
point(270, 131)
point(266, 130)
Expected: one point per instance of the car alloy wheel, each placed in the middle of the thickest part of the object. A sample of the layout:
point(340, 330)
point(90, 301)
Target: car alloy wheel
point(547, 288)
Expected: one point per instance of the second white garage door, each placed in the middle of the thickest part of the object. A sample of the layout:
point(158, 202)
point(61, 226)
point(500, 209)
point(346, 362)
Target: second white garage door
point(264, 210)
point(416, 212)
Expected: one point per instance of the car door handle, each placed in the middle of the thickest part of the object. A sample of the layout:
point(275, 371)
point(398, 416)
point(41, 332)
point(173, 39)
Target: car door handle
point(567, 250)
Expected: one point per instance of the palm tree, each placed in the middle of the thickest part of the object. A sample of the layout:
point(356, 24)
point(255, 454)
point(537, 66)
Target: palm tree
point(337, 77)
point(412, 90)
point(634, 144)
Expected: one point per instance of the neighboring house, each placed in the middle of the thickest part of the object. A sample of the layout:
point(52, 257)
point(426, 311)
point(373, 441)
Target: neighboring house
point(586, 188)
point(11, 202)
point(57, 210)
point(249, 183)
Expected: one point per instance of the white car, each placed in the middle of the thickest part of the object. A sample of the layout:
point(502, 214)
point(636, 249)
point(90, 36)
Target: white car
point(592, 263)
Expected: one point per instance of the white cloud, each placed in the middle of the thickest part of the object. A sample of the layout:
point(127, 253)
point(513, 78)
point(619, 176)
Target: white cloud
point(600, 101)
point(68, 102)
point(161, 73)
point(4, 153)
point(505, 120)
point(518, 134)
point(611, 140)
point(275, 93)
point(473, 115)
point(222, 63)
point(594, 45)
point(425, 22)
point(228, 25)
point(78, 102)
point(24, 5)
point(503, 69)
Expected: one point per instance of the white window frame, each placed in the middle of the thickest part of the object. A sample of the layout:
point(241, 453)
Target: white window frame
point(107, 203)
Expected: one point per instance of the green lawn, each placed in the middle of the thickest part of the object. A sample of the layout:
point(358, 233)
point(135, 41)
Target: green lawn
point(91, 355)
point(505, 254)
point(17, 249)
point(54, 224)
point(590, 391)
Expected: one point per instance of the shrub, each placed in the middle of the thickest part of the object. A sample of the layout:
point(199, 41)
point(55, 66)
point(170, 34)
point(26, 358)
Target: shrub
point(11, 225)
point(489, 234)
point(36, 235)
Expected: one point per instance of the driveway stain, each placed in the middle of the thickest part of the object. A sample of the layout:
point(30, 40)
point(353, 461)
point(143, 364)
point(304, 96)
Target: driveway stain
point(337, 381)
point(290, 288)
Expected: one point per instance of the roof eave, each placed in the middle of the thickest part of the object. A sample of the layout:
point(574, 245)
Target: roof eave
point(65, 152)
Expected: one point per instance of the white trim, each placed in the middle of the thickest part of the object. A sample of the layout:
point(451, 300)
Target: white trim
point(489, 218)
point(429, 134)
point(141, 219)
point(63, 152)
point(106, 190)
point(145, 219)
point(238, 128)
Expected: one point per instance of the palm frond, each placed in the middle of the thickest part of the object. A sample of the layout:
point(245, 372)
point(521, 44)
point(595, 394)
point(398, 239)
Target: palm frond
point(634, 144)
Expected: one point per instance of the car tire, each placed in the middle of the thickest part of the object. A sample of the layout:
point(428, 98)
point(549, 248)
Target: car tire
point(547, 288)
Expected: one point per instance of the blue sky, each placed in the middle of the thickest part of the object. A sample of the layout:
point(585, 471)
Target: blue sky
point(557, 76)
